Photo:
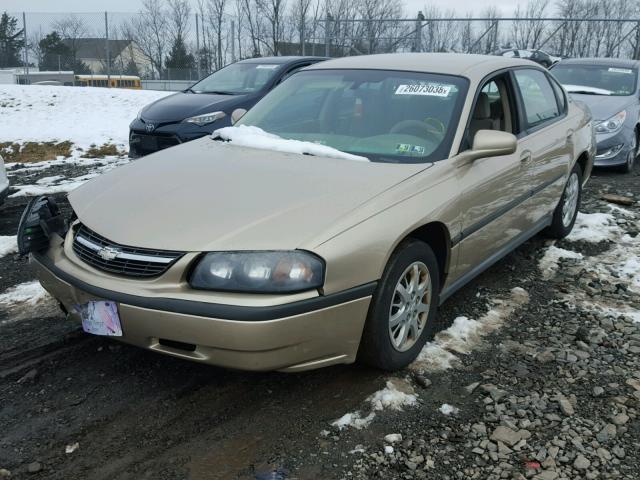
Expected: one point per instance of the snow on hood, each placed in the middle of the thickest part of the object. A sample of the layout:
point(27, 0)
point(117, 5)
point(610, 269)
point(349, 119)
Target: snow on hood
point(255, 137)
point(581, 88)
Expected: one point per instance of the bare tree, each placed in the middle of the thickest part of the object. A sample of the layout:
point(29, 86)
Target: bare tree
point(149, 31)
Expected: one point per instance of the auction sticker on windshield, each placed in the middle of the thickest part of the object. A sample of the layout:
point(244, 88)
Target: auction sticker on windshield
point(620, 70)
point(100, 318)
point(429, 89)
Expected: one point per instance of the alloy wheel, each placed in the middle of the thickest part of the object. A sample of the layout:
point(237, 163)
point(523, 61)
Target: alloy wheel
point(410, 306)
point(571, 194)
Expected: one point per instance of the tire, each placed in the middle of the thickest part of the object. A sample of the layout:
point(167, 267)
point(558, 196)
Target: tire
point(381, 344)
point(562, 225)
point(631, 158)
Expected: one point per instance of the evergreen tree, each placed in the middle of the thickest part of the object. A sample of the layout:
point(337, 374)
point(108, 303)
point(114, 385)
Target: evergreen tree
point(179, 63)
point(56, 55)
point(11, 41)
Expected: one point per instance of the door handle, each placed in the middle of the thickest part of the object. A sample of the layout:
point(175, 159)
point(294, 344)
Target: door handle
point(525, 157)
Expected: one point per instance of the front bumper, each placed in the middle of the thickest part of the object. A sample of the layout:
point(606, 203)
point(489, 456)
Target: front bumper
point(143, 142)
point(606, 142)
point(297, 336)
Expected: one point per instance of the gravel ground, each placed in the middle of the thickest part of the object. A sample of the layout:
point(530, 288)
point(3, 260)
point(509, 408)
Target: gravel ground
point(552, 394)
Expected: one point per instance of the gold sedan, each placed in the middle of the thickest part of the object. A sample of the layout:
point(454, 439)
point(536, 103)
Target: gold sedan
point(329, 222)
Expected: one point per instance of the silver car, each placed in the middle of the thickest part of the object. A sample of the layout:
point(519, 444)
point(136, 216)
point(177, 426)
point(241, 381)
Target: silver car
point(609, 87)
point(4, 182)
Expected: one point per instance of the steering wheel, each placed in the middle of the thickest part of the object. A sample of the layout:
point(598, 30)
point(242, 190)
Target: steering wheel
point(419, 129)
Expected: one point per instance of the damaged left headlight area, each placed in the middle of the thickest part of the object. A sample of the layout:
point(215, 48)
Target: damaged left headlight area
point(40, 220)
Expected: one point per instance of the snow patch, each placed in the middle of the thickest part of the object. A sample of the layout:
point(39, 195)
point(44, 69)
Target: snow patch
point(447, 409)
point(255, 137)
point(30, 293)
point(396, 395)
point(8, 245)
point(549, 262)
point(353, 420)
point(594, 227)
point(466, 334)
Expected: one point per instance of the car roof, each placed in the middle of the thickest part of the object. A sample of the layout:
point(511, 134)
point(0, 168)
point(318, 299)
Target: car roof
point(611, 62)
point(282, 60)
point(461, 64)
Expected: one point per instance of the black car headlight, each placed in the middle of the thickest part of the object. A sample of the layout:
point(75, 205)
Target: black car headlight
point(258, 272)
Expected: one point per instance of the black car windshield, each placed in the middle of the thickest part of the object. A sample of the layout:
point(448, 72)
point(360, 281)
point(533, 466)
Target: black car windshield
point(596, 79)
point(386, 116)
point(238, 78)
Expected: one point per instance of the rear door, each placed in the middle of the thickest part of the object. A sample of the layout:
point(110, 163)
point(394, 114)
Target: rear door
point(496, 189)
point(547, 138)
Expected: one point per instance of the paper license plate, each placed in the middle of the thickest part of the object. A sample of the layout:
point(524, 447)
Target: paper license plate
point(100, 318)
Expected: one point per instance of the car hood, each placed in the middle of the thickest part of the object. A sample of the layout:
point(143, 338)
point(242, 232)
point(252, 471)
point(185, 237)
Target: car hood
point(179, 106)
point(603, 106)
point(206, 195)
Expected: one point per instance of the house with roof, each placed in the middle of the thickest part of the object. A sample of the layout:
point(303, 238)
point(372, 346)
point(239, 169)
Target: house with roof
point(126, 57)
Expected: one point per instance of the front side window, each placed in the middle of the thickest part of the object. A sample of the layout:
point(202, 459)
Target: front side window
point(596, 79)
point(538, 97)
point(386, 116)
point(238, 78)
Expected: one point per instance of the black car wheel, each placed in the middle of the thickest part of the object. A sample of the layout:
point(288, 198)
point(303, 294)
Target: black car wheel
point(402, 315)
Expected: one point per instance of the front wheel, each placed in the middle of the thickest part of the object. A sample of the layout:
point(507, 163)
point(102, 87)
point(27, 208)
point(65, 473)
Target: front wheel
point(631, 156)
point(564, 216)
point(403, 309)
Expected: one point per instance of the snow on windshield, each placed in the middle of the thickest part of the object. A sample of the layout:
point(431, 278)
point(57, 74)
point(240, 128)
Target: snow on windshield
point(254, 137)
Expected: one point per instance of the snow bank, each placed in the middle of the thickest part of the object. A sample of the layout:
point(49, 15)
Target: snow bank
point(82, 115)
point(466, 334)
point(8, 245)
point(254, 137)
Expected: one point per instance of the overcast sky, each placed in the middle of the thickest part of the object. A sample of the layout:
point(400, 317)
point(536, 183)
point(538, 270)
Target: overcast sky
point(506, 6)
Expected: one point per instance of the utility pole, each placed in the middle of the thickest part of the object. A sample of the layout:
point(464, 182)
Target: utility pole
point(327, 36)
point(417, 47)
point(233, 41)
point(26, 49)
point(106, 48)
point(198, 47)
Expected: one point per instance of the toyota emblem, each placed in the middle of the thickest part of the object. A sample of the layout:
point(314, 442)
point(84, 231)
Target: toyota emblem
point(150, 127)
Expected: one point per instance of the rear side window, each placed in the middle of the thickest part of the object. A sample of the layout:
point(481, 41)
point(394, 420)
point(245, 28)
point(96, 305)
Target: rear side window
point(538, 97)
point(562, 99)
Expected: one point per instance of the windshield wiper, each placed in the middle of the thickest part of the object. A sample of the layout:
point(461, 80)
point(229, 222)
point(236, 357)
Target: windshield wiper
point(189, 90)
point(587, 92)
point(218, 92)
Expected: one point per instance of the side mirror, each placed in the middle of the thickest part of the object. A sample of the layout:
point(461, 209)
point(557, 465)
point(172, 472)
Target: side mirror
point(237, 114)
point(491, 143)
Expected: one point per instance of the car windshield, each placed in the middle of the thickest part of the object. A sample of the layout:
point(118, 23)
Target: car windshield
point(385, 116)
point(238, 78)
point(596, 79)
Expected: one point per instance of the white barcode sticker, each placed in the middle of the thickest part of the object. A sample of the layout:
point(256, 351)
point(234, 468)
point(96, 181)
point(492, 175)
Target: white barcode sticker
point(429, 89)
point(266, 67)
point(621, 70)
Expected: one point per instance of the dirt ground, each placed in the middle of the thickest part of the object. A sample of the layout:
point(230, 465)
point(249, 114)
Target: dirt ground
point(136, 414)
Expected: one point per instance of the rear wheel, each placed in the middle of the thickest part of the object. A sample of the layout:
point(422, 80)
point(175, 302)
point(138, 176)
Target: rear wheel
point(403, 310)
point(564, 216)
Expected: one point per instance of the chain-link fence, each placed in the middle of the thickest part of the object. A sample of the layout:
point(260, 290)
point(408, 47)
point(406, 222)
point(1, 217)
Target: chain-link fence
point(180, 45)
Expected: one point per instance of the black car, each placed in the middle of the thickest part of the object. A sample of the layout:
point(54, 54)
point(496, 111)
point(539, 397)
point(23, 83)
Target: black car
point(207, 105)
point(538, 56)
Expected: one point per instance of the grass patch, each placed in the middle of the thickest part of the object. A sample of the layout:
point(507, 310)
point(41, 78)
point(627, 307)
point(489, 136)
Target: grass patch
point(106, 150)
point(30, 152)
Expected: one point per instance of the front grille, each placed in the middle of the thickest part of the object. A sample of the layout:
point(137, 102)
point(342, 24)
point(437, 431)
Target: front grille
point(111, 257)
point(145, 143)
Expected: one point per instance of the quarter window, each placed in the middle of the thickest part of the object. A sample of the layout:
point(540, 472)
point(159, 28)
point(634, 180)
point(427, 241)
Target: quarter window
point(538, 97)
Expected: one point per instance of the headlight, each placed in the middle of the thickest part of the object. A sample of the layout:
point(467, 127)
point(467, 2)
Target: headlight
point(259, 272)
point(613, 124)
point(205, 118)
